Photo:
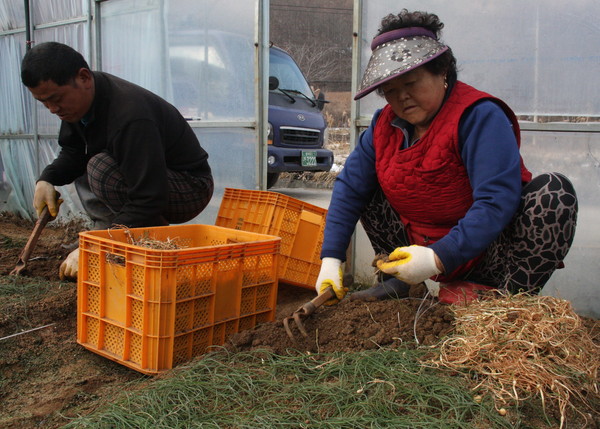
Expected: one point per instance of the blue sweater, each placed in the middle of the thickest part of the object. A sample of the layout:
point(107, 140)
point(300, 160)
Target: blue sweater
point(491, 156)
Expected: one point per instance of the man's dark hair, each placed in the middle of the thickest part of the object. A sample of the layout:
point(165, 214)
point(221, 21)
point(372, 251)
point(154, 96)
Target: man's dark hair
point(51, 61)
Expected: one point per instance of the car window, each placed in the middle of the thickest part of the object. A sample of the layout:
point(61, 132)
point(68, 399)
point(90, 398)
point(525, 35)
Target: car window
point(290, 77)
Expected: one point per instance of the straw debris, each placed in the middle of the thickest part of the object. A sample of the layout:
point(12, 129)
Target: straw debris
point(148, 242)
point(520, 346)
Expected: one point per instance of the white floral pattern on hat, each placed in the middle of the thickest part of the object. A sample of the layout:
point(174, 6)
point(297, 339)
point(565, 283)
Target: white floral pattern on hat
point(397, 56)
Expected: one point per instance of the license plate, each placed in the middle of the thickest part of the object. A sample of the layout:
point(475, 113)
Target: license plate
point(309, 158)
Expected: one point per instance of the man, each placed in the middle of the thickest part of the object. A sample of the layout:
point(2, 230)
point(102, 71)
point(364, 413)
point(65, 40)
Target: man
point(134, 159)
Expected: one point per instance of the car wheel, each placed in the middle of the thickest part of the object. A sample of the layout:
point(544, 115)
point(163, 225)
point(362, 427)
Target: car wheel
point(272, 179)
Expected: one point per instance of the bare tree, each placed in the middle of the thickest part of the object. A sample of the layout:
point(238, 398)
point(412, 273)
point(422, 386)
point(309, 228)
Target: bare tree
point(318, 63)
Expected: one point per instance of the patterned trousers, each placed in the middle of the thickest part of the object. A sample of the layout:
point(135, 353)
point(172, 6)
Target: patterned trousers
point(524, 255)
point(103, 193)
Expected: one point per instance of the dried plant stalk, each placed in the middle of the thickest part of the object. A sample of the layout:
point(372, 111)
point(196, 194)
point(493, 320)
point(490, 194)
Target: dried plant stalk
point(148, 242)
point(516, 347)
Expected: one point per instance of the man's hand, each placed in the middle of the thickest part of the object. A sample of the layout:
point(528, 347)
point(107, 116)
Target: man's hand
point(331, 275)
point(412, 264)
point(70, 266)
point(46, 195)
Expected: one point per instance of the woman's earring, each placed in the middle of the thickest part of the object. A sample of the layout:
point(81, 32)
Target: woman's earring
point(445, 82)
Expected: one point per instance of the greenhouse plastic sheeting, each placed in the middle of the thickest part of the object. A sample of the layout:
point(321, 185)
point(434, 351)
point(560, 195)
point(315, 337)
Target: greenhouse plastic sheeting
point(196, 54)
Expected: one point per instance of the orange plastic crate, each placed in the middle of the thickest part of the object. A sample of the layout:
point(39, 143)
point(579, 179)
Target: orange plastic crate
point(300, 226)
point(152, 309)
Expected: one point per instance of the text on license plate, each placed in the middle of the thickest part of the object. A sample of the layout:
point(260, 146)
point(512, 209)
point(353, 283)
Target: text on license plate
point(309, 158)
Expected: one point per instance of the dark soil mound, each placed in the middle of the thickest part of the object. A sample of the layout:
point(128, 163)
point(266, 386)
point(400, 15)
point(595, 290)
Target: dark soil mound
point(353, 325)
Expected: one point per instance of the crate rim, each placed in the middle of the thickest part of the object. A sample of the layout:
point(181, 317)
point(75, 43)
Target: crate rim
point(93, 235)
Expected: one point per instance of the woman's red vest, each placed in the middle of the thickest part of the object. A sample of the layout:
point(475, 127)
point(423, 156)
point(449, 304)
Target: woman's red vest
point(427, 183)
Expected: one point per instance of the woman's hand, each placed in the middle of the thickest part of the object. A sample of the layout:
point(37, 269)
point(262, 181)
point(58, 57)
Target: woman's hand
point(412, 264)
point(331, 275)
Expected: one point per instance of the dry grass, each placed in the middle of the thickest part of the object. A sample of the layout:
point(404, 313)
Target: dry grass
point(518, 347)
point(148, 242)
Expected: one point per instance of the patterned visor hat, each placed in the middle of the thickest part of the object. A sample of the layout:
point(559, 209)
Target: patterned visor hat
point(397, 52)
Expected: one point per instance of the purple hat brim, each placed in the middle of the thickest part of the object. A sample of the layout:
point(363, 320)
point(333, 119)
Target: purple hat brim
point(372, 77)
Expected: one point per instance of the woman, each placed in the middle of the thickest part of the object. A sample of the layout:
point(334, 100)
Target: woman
point(438, 182)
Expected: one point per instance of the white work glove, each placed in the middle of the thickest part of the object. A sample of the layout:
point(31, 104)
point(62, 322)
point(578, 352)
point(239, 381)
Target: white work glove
point(70, 266)
point(432, 287)
point(45, 195)
point(331, 275)
point(412, 264)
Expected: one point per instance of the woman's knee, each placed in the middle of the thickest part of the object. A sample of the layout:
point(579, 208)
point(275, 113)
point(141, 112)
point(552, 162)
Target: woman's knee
point(555, 184)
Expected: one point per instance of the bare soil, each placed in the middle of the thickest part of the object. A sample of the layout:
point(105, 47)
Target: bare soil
point(350, 325)
point(46, 378)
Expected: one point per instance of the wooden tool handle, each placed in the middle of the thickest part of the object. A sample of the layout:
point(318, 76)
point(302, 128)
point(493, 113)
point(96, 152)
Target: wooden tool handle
point(323, 297)
point(35, 234)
